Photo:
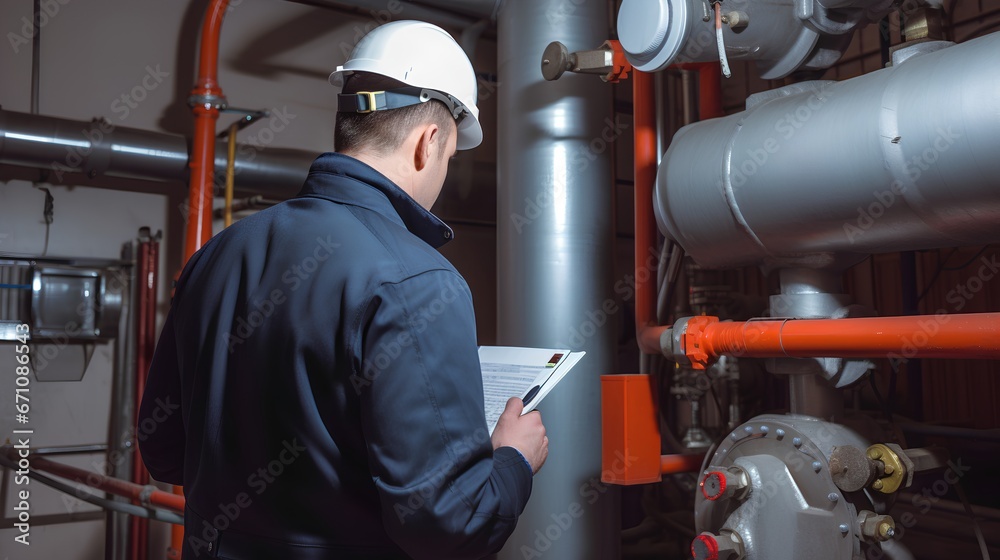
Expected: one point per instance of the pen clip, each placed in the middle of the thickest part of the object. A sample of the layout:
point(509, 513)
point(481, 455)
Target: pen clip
point(531, 395)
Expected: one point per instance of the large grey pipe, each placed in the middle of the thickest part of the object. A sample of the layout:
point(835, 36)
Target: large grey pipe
point(821, 174)
point(554, 228)
point(99, 148)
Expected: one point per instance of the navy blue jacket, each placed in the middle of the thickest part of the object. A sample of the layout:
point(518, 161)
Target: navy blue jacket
point(324, 360)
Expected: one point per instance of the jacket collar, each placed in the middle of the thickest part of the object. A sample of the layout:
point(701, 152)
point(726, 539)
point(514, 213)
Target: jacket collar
point(367, 188)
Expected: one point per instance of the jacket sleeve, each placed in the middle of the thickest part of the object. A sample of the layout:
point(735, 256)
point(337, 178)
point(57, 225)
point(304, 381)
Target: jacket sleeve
point(443, 491)
point(160, 430)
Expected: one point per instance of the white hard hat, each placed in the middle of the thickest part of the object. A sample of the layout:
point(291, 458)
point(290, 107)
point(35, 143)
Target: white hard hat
point(425, 57)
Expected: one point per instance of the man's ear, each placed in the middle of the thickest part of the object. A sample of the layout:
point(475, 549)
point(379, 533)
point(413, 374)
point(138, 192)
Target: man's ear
point(426, 144)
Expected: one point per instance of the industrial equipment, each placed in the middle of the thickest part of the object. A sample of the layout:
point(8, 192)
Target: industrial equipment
point(812, 178)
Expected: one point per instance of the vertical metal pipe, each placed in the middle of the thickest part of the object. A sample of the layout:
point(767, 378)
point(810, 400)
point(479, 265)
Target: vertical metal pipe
point(120, 445)
point(911, 301)
point(811, 293)
point(555, 235)
point(36, 54)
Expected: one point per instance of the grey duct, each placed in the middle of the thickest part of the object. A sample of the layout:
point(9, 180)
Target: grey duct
point(99, 148)
point(820, 174)
point(555, 264)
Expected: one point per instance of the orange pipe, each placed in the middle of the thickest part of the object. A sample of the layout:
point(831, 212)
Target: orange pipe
point(644, 129)
point(966, 336)
point(675, 464)
point(176, 533)
point(207, 96)
point(644, 114)
point(114, 486)
point(709, 90)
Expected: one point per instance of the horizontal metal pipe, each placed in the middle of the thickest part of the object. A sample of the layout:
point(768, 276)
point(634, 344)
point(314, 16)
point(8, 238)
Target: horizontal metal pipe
point(114, 486)
point(676, 464)
point(821, 174)
point(99, 147)
point(382, 11)
point(475, 8)
point(71, 449)
point(966, 336)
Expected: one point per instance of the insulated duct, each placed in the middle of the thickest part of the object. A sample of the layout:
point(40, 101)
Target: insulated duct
point(100, 148)
point(555, 264)
point(820, 174)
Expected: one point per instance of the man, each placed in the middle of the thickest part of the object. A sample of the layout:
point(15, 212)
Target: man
point(324, 354)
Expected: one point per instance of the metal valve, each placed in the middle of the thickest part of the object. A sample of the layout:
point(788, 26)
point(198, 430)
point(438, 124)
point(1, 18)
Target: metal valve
point(720, 484)
point(608, 61)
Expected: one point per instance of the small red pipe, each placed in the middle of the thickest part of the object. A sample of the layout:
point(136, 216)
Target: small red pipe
point(207, 96)
point(138, 476)
point(148, 263)
point(675, 464)
point(644, 114)
point(114, 486)
point(644, 129)
point(966, 336)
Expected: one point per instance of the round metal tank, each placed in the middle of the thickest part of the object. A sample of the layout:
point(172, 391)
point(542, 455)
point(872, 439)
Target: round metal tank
point(820, 174)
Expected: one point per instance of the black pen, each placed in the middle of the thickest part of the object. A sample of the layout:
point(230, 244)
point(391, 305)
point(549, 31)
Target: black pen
point(531, 394)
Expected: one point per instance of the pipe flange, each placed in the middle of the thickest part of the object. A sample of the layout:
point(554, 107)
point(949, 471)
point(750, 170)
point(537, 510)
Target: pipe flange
point(895, 470)
point(211, 100)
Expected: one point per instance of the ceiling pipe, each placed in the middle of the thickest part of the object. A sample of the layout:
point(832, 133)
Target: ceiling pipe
point(99, 148)
point(475, 8)
point(381, 11)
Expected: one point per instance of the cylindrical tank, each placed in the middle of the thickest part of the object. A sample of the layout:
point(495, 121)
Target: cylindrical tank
point(819, 174)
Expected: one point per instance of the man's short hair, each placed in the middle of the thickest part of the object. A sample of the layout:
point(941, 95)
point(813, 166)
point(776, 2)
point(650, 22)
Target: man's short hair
point(384, 131)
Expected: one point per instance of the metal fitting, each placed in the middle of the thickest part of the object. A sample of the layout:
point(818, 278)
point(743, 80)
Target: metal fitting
point(875, 528)
point(208, 100)
point(737, 21)
point(725, 483)
point(893, 469)
point(725, 546)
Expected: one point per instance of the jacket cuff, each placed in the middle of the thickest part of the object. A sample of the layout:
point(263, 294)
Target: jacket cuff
point(514, 471)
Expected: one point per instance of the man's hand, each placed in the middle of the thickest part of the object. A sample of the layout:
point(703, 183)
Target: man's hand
point(524, 433)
